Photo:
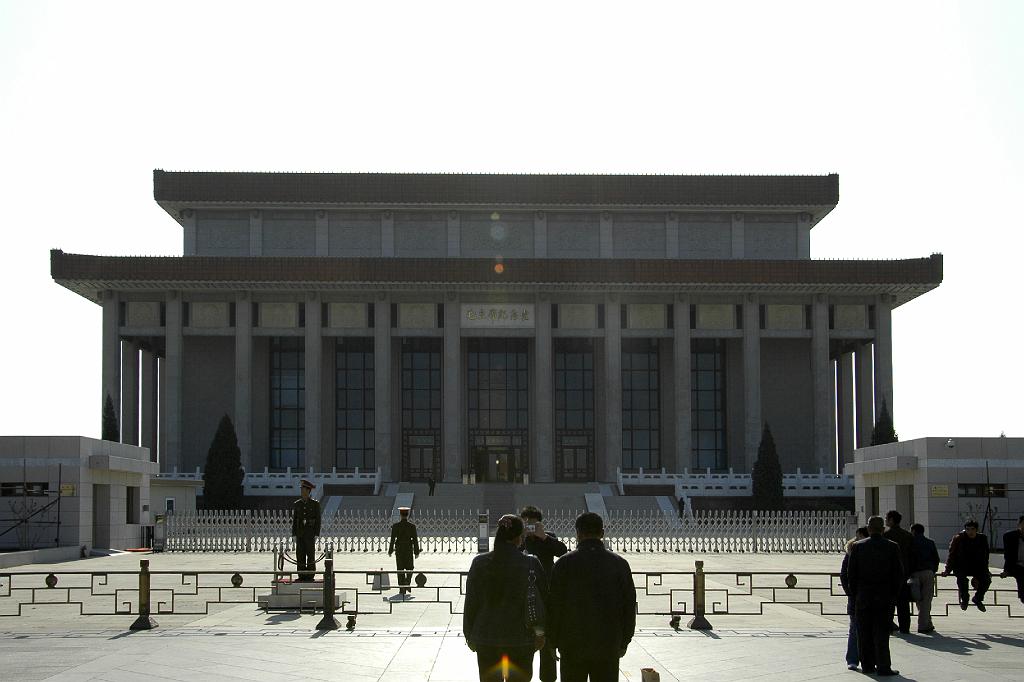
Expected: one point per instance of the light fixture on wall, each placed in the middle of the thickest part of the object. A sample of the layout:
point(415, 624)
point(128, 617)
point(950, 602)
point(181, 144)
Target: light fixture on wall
point(950, 443)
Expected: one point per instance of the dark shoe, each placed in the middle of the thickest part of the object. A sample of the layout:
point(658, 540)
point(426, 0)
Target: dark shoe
point(852, 666)
point(963, 604)
point(981, 606)
point(868, 671)
point(887, 673)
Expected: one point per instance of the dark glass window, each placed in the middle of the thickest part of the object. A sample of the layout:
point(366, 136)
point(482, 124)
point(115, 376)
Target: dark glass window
point(498, 383)
point(574, 386)
point(707, 393)
point(641, 422)
point(287, 402)
point(421, 383)
point(353, 414)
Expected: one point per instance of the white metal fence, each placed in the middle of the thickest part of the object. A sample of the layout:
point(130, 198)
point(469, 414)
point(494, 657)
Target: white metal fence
point(455, 531)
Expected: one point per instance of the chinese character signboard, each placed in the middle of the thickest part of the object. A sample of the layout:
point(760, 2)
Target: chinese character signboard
point(497, 315)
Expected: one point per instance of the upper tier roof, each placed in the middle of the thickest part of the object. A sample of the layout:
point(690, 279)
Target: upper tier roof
point(816, 194)
point(89, 275)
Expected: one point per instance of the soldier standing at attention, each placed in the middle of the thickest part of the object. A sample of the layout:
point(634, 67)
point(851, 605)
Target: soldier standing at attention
point(405, 545)
point(305, 529)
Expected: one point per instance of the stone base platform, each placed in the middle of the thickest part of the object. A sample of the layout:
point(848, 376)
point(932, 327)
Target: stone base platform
point(295, 595)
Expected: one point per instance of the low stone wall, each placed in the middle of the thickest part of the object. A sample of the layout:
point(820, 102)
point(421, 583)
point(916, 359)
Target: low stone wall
point(39, 556)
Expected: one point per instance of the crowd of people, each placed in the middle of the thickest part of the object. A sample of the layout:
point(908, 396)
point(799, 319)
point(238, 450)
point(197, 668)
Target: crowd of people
point(885, 568)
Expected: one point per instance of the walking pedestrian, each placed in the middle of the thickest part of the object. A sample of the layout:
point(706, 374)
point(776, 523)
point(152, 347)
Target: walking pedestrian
point(875, 577)
point(1013, 557)
point(404, 545)
point(852, 655)
point(305, 529)
point(546, 546)
point(592, 613)
point(906, 543)
point(498, 623)
point(967, 558)
point(924, 564)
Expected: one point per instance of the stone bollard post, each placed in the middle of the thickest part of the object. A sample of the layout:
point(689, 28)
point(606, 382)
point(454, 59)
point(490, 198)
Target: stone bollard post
point(483, 544)
point(328, 622)
point(143, 622)
point(699, 622)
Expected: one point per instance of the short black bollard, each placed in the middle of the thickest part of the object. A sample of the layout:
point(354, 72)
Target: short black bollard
point(698, 622)
point(143, 622)
point(328, 622)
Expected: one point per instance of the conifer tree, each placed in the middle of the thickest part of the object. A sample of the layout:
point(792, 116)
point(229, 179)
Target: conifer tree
point(766, 478)
point(110, 431)
point(222, 478)
point(884, 431)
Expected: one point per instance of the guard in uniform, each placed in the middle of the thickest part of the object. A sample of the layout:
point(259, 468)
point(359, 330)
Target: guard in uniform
point(305, 529)
point(405, 545)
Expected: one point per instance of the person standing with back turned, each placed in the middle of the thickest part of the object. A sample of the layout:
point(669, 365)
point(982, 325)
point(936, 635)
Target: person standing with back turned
point(906, 543)
point(592, 608)
point(876, 575)
point(404, 544)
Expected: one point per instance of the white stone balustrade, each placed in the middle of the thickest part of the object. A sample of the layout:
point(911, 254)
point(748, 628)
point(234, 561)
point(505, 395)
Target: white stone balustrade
point(708, 484)
point(286, 482)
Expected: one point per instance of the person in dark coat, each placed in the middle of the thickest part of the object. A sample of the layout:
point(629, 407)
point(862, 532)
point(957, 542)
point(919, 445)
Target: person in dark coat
point(924, 564)
point(1013, 557)
point(305, 529)
point(430, 486)
point(494, 621)
point(852, 656)
point(875, 578)
point(968, 557)
point(905, 540)
point(546, 547)
point(404, 545)
point(592, 610)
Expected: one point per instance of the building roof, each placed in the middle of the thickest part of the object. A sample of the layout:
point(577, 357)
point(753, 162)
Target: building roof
point(816, 194)
point(89, 275)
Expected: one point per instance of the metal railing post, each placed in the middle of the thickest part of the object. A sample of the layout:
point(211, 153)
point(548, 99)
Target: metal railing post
point(328, 622)
point(699, 622)
point(144, 621)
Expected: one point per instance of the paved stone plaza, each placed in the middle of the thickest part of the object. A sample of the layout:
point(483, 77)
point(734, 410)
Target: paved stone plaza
point(420, 642)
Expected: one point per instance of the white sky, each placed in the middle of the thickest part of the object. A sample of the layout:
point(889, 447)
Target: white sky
point(917, 105)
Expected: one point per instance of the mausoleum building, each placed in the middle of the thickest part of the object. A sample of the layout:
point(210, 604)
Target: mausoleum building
point(562, 327)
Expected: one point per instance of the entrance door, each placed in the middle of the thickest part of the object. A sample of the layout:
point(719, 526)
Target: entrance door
point(575, 457)
point(421, 457)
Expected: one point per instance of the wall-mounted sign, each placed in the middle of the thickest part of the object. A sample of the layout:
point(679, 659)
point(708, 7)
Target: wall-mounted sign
point(501, 315)
point(67, 489)
point(940, 491)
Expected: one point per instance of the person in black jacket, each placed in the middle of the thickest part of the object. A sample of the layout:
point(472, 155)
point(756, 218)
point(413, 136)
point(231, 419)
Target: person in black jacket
point(592, 609)
point(495, 621)
point(852, 655)
point(924, 564)
point(968, 557)
point(1013, 557)
point(545, 546)
point(906, 542)
point(875, 578)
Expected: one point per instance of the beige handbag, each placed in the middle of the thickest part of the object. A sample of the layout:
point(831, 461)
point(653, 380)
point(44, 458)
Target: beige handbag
point(649, 675)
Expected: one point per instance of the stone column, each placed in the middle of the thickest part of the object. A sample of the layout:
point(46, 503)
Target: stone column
point(322, 242)
point(170, 425)
point(752, 424)
point(454, 235)
point(613, 388)
point(542, 470)
point(147, 437)
point(189, 232)
point(382, 386)
point(255, 233)
point(681, 357)
point(387, 234)
point(243, 379)
point(129, 393)
point(607, 236)
point(540, 235)
point(865, 395)
point(844, 391)
point(111, 384)
point(822, 380)
point(883, 355)
point(672, 235)
point(452, 387)
point(314, 361)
